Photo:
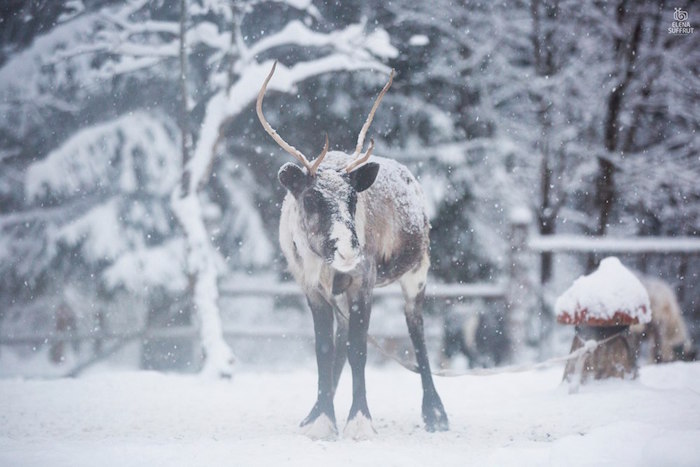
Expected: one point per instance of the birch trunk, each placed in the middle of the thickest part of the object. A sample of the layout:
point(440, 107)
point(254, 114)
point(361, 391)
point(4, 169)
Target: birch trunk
point(201, 257)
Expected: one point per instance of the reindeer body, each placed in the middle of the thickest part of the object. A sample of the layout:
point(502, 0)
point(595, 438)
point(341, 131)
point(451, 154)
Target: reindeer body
point(392, 231)
point(347, 226)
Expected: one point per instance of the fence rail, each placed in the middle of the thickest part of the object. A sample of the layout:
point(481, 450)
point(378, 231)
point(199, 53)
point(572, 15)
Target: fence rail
point(186, 332)
point(434, 290)
point(515, 289)
point(584, 244)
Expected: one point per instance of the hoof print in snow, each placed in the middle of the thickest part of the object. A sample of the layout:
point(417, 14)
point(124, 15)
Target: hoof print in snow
point(359, 428)
point(322, 428)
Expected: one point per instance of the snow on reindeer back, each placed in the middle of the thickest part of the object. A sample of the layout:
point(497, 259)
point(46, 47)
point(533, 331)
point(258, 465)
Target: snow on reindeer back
point(610, 296)
point(397, 183)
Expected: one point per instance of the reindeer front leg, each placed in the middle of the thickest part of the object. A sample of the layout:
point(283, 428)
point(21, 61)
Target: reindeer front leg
point(320, 423)
point(341, 307)
point(341, 349)
point(359, 424)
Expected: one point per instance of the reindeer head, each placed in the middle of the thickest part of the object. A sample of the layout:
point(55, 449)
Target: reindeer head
point(326, 197)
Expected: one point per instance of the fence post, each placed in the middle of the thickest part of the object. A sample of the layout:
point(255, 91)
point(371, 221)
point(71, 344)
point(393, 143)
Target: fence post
point(518, 290)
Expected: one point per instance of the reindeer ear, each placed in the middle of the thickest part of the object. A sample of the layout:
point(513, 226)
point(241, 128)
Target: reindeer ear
point(293, 178)
point(364, 176)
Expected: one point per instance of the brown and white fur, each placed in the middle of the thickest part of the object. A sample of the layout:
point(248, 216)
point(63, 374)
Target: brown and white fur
point(667, 330)
point(345, 229)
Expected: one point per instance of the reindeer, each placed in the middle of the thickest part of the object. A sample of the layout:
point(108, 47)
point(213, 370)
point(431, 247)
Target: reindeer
point(667, 329)
point(349, 225)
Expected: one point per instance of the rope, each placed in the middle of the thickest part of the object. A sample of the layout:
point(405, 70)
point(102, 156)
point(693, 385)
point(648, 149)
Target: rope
point(588, 347)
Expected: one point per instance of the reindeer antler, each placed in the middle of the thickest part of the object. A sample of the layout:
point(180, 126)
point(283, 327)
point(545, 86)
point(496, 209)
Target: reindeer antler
point(278, 139)
point(320, 157)
point(363, 132)
point(361, 160)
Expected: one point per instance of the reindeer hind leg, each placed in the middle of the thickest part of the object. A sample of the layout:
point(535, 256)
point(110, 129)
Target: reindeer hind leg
point(413, 286)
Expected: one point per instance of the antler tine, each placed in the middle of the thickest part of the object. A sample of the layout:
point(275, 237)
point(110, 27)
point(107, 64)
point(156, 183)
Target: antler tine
point(271, 131)
point(320, 157)
point(358, 162)
point(368, 122)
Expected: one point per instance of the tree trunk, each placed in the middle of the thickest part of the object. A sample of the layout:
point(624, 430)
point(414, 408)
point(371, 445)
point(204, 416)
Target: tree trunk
point(183, 117)
point(605, 180)
point(546, 258)
point(682, 278)
point(201, 258)
point(544, 48)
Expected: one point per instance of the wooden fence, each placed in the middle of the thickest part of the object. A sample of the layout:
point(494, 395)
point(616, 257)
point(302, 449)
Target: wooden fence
point(516, 289)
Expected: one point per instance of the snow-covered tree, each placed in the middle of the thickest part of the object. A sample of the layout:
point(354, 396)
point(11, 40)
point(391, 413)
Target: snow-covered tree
point(500, 81)
point(122, 44)
point(585, 113)
point(526, 90)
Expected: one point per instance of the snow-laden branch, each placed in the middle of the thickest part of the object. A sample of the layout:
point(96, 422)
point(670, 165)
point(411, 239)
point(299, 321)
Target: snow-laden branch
point(302, 5)
point(23, 68)
point(127, 65)
point(97, 154)
point(162, 265)
point(226, 104)
point(146, 50)
point(148, 26)
point(130, 56)
point(98, 233)
point(207, 33)
point(351, 40)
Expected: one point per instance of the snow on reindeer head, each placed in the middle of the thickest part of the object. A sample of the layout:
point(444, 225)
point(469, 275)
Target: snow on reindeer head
point(326, 197)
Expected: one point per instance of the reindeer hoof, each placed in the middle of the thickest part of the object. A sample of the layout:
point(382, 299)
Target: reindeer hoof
point(322, 428)
point(435, 420)
point(359, 428)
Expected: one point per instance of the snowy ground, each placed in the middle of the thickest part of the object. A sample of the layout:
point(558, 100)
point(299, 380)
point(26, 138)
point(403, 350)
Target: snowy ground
point(150, 419)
